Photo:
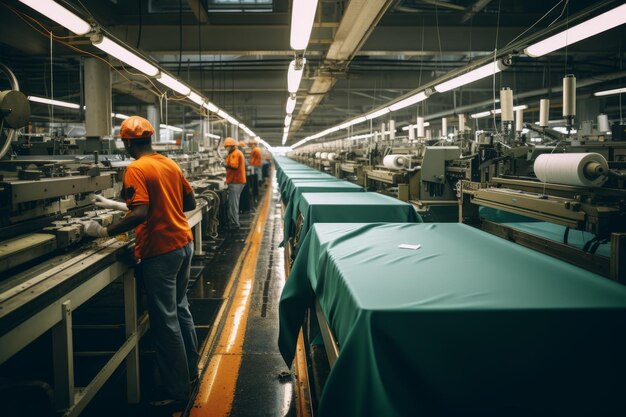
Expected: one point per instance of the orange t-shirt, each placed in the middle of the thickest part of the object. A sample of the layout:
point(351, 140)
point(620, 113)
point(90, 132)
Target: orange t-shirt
point(236, 168)
point(255, 159)
point(158, 182)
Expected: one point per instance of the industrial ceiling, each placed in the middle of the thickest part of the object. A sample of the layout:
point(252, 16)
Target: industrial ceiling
point(362, 54)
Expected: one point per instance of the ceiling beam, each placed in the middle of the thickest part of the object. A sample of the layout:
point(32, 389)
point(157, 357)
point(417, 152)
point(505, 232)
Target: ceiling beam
point(199, 11)
point(473, 9)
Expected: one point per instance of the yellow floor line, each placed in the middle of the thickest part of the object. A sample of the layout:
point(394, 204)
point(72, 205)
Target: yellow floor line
point(217, 387)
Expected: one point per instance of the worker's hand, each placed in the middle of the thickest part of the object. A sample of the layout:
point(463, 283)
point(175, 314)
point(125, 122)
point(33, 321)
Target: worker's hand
point(94, 229)
point(108, 203)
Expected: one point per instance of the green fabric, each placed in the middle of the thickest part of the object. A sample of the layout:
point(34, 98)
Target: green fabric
point(551, 231)
point(287, 183)
point(353, 208)
point(282, 175)
point(555, 232)
point(301, 187)
point(468, 325)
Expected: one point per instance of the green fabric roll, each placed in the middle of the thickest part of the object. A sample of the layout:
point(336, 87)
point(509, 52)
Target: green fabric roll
point(301, 187)
point(468, 325)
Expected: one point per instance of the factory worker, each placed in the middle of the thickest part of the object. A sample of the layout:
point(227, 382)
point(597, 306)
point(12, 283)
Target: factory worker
point(236, 179)
point(255, 160)
point(157, 195)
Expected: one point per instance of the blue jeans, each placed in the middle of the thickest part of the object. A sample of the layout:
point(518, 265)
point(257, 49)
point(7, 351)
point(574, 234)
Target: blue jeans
point(165, 279)
point(234, 192)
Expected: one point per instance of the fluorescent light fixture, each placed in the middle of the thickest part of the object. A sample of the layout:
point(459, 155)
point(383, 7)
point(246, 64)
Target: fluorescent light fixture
point(344, 125)
point(610, 92)
point(291, 105)
point(605, 21)
point(498, 111)
point(409, 101)
point(196, 98)
point(53, 10)
point(211, 107)
point(470, 76)
point(221, 113)
point(288, 120)
point(121, 116)
point(358, 120)
point(126, 56)
point(172, 128)
point(57, 103)
point(294, 76)
point(376, 114)
point(232, 120)
point(211, 136)
point(284, 138)
point(174, 84)
point(522, 107)
point(302, 17)
point(480, 115)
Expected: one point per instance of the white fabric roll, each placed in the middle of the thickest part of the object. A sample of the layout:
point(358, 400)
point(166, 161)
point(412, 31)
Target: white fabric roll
point(603, 123)
point(420, 127)
point(332, 156)
point(411, 132)
point(461, 123)
point(544, 112)
point(392, 129)
point(519, 120)
point(324, 155)
point(569, 95)
point(506, 104)
point(394, 161)
point(569, 168)
point(318, 155)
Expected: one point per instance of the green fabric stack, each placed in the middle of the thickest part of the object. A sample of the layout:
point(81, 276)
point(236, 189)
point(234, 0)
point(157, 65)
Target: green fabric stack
point(300, 187)
point(467, 325)
point(353, 208)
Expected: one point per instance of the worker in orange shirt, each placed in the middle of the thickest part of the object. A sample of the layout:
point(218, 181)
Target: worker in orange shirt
point(157, 195)
point(235, 165)
point(255, 160)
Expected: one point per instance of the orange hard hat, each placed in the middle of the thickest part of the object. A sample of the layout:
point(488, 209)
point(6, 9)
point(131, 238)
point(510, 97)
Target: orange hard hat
point(242, 144)
point(136, 127)
point(230, 142)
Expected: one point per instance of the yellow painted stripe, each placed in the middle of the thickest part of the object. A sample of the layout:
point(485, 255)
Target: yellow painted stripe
point(217, 387)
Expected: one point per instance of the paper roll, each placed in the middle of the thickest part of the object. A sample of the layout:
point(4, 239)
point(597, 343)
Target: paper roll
point(420, 127)
point(519, 120)
point(394, 161)
point(580, 169)
point(603, 123)
point(569, 95)
point(506, 104)
point(544, 112)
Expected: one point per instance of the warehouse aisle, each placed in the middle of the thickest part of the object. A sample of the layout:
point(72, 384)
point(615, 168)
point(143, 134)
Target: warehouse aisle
point(245, 374)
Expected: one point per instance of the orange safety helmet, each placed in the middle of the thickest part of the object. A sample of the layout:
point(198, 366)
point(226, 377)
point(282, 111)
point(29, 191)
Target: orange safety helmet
point(136, 127)
point(230, 142)
point(242, 144)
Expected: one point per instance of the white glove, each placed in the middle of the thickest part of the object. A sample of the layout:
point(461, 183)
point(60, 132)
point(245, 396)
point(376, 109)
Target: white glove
point(108, 203)
point(94, 229)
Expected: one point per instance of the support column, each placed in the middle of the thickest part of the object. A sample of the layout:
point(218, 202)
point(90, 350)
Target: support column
point(98, 121)
point(154, 117)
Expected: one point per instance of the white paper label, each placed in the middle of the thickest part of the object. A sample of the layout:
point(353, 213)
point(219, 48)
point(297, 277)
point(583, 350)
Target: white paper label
point(407, 246)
